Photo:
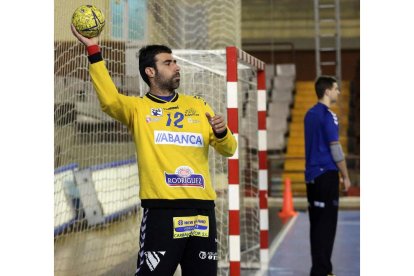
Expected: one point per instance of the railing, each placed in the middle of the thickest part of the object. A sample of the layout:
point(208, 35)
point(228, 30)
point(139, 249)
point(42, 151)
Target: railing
point(265, 45)
point(276, 171)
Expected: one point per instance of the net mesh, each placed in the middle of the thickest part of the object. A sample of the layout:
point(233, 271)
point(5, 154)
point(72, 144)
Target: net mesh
point(204, 74)
point(87, 139)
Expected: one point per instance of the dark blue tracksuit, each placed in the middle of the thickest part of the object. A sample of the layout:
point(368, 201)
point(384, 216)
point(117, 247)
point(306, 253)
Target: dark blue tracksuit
point(322, 185)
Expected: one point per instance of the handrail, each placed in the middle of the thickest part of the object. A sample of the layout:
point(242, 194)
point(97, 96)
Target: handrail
point(290, 45)
point(353, 163)
point(285, 157)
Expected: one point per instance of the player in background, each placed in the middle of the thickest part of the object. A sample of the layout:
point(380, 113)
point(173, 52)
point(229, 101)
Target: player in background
point(324, 157)
point(172, 134)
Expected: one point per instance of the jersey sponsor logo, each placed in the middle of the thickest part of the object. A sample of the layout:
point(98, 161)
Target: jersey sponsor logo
point(156, 112)
point(184, 139)
point(184, 177)
point(193, 121)
point(191, 112)
point(197, 226)
point(149, 119)
point(171, 108)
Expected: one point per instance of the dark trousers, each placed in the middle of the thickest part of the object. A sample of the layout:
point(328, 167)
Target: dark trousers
point(323, 196)
point(169, 237)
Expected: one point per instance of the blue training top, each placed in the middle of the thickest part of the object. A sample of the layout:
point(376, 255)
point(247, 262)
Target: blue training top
point(321, 128)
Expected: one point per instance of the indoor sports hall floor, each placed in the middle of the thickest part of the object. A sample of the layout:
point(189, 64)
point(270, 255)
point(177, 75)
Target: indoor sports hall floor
point(289, 251)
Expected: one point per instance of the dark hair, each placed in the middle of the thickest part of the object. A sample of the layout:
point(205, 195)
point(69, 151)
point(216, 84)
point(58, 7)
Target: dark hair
point(323, 83)
point(147, 58)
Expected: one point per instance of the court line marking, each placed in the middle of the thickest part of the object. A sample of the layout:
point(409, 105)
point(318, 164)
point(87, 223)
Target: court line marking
point(276, 243)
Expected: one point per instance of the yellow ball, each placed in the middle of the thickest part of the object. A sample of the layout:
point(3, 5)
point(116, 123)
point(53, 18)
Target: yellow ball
point(88, 20)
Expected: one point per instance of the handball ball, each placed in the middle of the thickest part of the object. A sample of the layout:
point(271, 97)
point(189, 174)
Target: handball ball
point(88, 20)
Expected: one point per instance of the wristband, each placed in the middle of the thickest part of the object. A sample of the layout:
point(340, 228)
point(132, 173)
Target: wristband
point(93, 49)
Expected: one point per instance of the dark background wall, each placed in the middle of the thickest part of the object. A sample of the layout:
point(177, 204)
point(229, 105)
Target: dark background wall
point(305, 62)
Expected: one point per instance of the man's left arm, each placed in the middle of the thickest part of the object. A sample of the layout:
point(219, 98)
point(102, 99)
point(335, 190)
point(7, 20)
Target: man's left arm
point(221, 138)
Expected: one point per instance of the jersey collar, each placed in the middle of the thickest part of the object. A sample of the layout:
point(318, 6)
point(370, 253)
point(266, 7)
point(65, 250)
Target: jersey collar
point(159, 100)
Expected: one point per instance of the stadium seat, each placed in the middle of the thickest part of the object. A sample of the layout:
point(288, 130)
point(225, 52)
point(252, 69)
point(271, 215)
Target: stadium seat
point(270, 73)
point(284, 96)
point(118, 82)
point(286, 83)
point(73, 85)
point(59, 88)
point(277, 140)
point(279, 109)
point(132, 85)
point(286, 70)
point(277, 124)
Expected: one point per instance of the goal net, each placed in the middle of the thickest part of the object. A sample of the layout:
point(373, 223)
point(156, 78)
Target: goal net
point(97, 209)
point(204, 74)
point(92, 139)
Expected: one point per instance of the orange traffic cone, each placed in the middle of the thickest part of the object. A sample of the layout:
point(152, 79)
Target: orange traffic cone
point(287, 209)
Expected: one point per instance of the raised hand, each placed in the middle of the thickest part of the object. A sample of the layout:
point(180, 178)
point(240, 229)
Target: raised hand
point(86, 41)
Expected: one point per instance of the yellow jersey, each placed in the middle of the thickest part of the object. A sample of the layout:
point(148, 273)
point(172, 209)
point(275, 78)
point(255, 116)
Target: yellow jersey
point(172, 141)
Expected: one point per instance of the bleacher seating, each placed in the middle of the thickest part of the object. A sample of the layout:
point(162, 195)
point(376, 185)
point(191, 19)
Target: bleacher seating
point(82, 95)
point(270, 73)
point(118, 82)
point(281, 91)
point(284, 83)
point(287, 69)
point(132, 84)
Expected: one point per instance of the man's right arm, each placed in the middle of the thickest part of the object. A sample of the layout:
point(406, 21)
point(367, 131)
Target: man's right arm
point(344, 172)
point(114, 104)
point(332, 135)
point(339, 158)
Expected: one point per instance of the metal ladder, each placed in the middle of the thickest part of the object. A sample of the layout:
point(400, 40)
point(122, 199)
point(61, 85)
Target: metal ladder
point(327, 40)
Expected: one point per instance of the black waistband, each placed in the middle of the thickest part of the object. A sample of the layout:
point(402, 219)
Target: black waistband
point(178, 203)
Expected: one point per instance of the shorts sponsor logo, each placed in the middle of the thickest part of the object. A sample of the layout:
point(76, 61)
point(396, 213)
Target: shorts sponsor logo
point(156, 112)
point(202, 255)
point(184, 177)
point(185, 227)
point(212, 256)
point(153, 258)
point(184, 139)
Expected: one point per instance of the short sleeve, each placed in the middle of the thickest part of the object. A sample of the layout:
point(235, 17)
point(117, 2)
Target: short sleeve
point(331, 127)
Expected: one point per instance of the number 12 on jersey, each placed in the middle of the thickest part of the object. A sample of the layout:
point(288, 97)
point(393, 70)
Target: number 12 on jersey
point(178, 117)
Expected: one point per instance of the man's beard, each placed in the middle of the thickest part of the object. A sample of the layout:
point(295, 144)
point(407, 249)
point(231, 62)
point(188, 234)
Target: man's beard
point(167, 84)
